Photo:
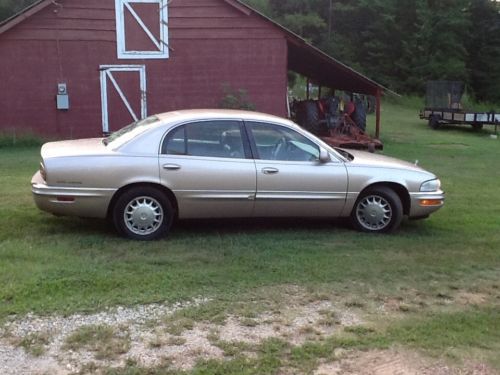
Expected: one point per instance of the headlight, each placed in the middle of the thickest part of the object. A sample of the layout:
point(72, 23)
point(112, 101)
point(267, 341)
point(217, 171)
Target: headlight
point(432, 185)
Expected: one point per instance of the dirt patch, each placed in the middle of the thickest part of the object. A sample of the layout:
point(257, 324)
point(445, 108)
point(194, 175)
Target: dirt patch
point(178, 336)
point(397, 362)
point(469, 298)
point(152, 342)
point(294, 324)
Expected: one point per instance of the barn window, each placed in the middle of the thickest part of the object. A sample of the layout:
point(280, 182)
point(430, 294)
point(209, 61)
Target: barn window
point(142, 29)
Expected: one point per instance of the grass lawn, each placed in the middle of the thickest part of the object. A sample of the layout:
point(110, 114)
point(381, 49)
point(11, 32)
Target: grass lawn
point(66, 265)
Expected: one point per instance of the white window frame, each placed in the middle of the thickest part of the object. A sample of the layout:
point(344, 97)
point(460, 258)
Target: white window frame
point(163, 50)
point(107, 74)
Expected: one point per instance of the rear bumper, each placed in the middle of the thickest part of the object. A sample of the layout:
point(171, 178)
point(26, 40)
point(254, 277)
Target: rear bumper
point(423, 204)
point(70, 201)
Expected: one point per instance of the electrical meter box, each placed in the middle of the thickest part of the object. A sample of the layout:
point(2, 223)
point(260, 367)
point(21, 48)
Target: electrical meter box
point(62, 97)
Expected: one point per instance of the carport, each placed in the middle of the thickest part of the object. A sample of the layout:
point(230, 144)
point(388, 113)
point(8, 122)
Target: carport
point(324, 70)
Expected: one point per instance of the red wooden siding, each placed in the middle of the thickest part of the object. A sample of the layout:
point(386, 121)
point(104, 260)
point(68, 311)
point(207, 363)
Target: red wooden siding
point(211, 43)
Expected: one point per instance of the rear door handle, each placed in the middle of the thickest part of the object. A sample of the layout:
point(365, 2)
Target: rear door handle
point(171, 167)
point(270, 170)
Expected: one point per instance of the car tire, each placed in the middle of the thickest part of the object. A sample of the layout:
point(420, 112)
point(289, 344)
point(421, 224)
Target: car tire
point(377, 210)
point(143, 213)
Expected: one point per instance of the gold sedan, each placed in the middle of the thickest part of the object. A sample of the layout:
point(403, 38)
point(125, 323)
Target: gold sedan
point(226, 164)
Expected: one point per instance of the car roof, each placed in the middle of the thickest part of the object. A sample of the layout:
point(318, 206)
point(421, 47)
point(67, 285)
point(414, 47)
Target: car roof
point(226, 114)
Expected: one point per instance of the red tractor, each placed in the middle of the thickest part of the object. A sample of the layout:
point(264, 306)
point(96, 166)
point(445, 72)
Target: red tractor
point(338, 122)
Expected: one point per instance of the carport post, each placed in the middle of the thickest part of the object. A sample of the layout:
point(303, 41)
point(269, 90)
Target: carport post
point(377, 114)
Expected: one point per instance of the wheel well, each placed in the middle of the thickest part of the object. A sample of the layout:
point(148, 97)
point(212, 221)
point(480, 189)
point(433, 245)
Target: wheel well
point(168, 193)
point(400, 190)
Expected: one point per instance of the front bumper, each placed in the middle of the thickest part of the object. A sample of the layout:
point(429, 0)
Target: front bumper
point(70, 201)
point(424, 204)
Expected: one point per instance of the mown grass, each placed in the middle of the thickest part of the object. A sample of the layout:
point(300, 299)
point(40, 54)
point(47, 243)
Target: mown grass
point(63, 265)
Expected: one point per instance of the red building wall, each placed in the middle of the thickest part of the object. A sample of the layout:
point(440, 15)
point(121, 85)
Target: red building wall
point(211, 43)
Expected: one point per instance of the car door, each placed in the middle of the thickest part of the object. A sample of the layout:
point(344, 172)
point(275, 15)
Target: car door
point(208, 166)
point(291, 181)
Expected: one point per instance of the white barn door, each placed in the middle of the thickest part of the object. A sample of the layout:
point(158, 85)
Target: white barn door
point(123, 95)
point(142, 29)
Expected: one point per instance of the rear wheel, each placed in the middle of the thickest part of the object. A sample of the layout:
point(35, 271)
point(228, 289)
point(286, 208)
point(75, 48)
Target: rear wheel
point(359, 115)
point(308, 116)
point(378, 210)
point(143, 213)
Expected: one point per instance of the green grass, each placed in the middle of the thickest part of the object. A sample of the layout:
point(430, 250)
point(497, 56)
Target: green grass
point(34, 344)
point(66, 265)
point(107, 342)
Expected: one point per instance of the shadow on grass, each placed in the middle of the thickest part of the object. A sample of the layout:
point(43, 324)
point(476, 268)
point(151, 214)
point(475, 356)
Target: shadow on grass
point(202, 227)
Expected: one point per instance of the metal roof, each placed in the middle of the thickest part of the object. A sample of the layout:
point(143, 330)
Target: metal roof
point(323, 69)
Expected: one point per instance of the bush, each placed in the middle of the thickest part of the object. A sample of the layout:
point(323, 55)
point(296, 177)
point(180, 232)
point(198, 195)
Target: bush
point(235, 99)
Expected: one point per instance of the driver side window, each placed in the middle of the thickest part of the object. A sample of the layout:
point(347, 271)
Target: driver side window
point(276, 142)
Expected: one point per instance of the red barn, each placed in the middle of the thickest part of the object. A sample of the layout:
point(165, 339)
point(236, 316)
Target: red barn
point(78, 68)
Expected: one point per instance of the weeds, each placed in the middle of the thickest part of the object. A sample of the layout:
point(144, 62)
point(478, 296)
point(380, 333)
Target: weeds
point(106, 342)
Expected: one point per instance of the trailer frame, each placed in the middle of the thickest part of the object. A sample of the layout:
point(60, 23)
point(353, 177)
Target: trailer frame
point(438, 117)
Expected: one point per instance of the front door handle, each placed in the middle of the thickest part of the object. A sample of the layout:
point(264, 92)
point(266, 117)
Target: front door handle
point(270, 170)
point(171, 167)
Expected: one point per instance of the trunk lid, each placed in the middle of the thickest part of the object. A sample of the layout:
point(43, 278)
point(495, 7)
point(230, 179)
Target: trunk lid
point(79, 147)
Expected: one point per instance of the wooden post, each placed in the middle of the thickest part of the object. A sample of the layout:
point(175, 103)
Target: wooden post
point(377, 114)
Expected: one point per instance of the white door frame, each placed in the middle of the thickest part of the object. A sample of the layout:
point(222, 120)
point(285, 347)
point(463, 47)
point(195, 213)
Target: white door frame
point(107, 75)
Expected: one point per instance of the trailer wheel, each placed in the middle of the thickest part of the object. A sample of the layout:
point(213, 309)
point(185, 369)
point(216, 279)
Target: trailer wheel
point(477, 126)
point(434, 121)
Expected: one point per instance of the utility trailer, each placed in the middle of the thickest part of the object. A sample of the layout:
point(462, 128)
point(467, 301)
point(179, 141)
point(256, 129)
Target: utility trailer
point(443, 106)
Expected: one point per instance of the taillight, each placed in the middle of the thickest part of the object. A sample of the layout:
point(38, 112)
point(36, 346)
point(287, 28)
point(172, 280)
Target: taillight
point(43, 173)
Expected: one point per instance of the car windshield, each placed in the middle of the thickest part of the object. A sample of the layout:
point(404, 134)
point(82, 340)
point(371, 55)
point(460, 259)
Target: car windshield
point(129, 132)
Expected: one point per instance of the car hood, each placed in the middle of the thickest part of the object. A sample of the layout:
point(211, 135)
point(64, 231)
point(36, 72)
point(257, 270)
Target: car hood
point(80, 147)
point(366, 159)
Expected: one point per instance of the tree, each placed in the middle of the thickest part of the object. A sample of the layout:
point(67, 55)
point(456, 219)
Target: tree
point(483, 62)
point(262, 6)
point(11, 7)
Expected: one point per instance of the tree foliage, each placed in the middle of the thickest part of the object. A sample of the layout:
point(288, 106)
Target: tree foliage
point(483, 61)
point(11, 7)
point(403, 43)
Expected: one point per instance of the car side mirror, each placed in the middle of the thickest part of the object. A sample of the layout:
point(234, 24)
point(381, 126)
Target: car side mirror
point(324, 156)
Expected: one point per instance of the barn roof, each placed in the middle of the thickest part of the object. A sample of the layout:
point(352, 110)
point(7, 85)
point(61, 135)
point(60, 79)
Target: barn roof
point(303, 57)
point(17, 18)
point(315, 64)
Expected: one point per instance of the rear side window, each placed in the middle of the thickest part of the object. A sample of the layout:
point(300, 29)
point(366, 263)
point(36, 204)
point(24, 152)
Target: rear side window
point(221, 139)
point(175, 143)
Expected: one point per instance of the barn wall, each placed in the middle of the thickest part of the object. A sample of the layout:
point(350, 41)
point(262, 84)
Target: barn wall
point(211, 43)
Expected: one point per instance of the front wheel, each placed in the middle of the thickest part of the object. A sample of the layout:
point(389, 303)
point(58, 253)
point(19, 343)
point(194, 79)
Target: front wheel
point(143, 213)
point(378, 210)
